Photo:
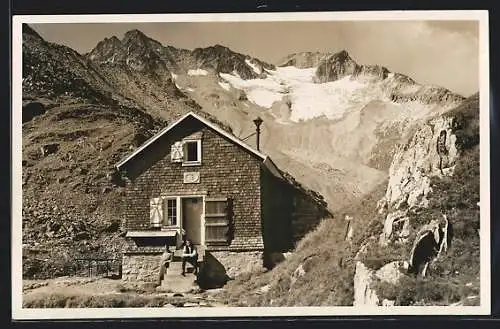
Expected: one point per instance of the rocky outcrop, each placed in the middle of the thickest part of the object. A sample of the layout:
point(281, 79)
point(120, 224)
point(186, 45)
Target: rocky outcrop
point(431, 154)
point(303, 60)
point(425, 94)
point(135, 51)
point(223, 60)
point(397, 87)
point(106, 50)
point(396, 225)
point(371, 73)
point(364, 294)
point(431, 240)
point(335, 67)
point(141, 69)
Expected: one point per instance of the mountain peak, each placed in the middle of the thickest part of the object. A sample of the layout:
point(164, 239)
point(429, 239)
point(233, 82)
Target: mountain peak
point(218, 48)
point(303, 60)
point(28, 30)
point(342, 55)
point(114, 38)
point(105, 50)
point(224, 60)
point(135, 37)
point(110, 41)
point(134, 33)
point(336, 66)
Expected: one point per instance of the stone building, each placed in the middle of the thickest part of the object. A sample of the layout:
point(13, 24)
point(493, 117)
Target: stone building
point(231, 200)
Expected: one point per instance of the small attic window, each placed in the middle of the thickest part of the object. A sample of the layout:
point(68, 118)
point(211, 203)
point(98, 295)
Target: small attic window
point(192, 153)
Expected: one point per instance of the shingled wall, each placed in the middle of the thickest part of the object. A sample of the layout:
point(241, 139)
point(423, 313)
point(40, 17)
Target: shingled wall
point(226, 170)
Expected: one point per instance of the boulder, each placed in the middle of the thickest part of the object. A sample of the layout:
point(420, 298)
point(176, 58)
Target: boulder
point(298, 273)
point(81, 236)
point(364, 277)
point(32, 110)
point(391, 222)
point(49, 149)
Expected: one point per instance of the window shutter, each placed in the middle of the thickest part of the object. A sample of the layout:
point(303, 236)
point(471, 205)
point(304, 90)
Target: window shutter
point(177, 152)
point(217, 221)
point(156, 212)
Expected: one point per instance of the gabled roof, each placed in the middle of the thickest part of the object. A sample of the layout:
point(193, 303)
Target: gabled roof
point(265, 159)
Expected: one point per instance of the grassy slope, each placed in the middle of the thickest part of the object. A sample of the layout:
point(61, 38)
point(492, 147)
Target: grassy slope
point(324, 256)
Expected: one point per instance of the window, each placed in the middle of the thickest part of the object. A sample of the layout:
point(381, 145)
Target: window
point(217, 221)
point(192, 152)
point(171, 212)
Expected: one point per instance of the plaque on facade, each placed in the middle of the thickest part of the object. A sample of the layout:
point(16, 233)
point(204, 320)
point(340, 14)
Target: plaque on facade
point(191, 177)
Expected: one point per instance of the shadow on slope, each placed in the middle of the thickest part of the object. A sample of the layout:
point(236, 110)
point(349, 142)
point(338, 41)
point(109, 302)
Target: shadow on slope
point(71, 206)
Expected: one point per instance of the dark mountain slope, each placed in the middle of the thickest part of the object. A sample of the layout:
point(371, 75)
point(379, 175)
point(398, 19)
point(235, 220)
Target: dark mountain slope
point(59, 73)
point(142, 69)
point(223, 60)
point(71, 205)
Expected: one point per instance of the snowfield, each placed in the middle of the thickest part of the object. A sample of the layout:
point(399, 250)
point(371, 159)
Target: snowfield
point(308, 99)
point(225, 85)
point(263, 92)
point(254, 67)
point(333, 100)
point(197, 72)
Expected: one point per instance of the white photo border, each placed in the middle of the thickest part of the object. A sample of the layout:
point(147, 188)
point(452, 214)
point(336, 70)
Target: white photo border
point(20, 313)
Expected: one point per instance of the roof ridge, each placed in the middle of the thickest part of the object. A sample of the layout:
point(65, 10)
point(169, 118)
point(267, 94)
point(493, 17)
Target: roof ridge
point(200, 118)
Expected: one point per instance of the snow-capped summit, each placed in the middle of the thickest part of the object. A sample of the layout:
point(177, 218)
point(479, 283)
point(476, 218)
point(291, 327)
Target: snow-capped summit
point(343, 86)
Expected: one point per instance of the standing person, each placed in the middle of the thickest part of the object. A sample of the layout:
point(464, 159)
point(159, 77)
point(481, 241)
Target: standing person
point(189, 255)
point(165, 260)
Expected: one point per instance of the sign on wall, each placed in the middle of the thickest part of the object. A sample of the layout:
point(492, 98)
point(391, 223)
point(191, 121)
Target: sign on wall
point(191, 177)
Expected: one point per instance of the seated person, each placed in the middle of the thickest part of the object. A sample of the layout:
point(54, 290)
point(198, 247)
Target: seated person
point(189, 255)
point(165, 260)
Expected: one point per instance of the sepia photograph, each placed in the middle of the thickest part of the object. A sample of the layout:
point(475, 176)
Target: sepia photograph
point(224, 164)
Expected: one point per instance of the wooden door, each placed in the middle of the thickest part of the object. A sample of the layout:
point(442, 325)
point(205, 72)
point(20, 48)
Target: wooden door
point(192, 209)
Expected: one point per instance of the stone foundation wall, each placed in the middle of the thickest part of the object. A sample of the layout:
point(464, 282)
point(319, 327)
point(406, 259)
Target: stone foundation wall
point(141, 267)
point(236, 263)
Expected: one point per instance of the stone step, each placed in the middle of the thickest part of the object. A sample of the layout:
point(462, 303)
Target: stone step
point(174, 281)
point(175, 268)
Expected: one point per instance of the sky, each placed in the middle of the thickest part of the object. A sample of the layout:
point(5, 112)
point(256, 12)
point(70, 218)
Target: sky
point(445, 53)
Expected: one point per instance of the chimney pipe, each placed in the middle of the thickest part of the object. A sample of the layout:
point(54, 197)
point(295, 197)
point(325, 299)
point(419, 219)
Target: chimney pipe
point(258, 122)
